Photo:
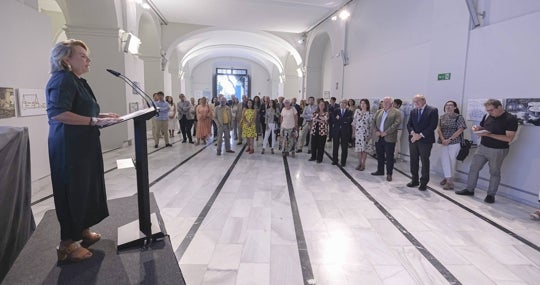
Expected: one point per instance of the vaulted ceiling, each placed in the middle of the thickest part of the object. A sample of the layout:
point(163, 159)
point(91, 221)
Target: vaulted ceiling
point(240, 28)
point(292, 16)
point(245, 28)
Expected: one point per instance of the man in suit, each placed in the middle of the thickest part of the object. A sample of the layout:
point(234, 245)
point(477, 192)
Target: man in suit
point(341, 121)
point(421, 126)
point(386, 124)
point(332, 106)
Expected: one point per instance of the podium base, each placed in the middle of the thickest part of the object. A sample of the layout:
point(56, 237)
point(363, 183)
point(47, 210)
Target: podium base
point(129, 235)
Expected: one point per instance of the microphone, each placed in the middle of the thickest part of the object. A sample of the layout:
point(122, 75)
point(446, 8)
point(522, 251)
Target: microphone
point(137, 89)
point(115, 73)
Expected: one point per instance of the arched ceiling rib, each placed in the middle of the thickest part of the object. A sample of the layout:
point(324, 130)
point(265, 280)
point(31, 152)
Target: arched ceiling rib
point(265, 48)
point(195, 56)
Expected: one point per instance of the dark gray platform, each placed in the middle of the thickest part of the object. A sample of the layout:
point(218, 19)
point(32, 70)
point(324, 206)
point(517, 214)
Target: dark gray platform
point(36, 264)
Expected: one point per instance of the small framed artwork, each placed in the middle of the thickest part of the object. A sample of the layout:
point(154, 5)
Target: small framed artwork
point(136, 84)
point(7, 102)
point(133, 106)
point(32, 102)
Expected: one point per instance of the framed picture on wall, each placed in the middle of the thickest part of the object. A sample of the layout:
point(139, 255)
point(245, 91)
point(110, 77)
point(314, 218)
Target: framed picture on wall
point(135, 90)
point(32, 102)
point(133, 106)
point(476, 110)
point(527, 110)
point(326, 95)
point(7, 102)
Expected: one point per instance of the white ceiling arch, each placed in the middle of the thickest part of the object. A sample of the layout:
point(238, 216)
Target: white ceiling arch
point(196, 56)
point(265, 48)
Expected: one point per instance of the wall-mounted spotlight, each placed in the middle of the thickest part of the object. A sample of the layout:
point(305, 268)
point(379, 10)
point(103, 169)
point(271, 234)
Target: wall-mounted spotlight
point(334, 18)
point(145, 6)
point(131, 44)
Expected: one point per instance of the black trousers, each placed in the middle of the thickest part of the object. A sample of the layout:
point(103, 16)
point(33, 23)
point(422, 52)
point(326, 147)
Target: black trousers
point(317, 147)
point(343, 141)
point(385, 153)
point(185, 127)
point(214, 126)
point(420, 152)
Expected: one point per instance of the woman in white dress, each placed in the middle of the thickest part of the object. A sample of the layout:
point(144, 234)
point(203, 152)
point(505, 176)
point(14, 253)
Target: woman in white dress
point(362, 122)
point(172, 115)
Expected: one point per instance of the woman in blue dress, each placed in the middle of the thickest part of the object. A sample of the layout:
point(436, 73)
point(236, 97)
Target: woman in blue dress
point(75, 150)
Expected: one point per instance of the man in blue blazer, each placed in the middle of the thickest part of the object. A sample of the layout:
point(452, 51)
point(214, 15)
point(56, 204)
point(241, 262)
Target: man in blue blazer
point(422, 123)
point(341, 120)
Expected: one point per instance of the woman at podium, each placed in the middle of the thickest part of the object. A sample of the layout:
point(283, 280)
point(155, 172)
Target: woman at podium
point(75, 150)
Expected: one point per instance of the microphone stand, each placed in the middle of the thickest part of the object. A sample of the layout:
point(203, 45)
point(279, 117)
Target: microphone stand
point(148, 230)
point(137, 89)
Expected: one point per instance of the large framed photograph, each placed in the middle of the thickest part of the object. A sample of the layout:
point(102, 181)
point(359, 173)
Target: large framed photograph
point(476, 109)
point(527, 110)
point(7, 102)
point(32, 102)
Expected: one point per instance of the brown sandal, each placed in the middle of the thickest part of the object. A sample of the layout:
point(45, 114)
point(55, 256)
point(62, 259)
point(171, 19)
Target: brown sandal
point(90, 239)
point(73, 253)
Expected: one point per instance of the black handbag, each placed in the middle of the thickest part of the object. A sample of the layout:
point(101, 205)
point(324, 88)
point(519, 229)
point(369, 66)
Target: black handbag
point(464, 149)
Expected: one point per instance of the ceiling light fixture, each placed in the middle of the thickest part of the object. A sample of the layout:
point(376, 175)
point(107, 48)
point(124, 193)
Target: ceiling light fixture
point(145, 6)
point(334, 18)
point(344, 15)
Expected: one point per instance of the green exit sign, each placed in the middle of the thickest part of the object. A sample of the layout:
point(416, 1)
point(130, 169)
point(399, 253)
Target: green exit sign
point(443, 76)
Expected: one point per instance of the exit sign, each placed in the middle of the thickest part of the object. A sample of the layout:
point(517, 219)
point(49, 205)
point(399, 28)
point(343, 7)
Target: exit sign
point(443, 76)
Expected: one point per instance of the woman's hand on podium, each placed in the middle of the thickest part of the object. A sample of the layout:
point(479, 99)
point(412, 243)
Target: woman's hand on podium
point(102, 122)
point(108, 115)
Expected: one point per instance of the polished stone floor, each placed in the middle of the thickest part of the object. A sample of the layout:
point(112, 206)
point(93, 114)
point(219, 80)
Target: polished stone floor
point(230, 219)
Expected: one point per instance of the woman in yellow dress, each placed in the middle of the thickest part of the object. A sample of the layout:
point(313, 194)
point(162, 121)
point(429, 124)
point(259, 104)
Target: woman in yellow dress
point(248, 125)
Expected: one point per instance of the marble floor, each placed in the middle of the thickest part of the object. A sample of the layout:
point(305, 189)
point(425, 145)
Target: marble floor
point(235, 219)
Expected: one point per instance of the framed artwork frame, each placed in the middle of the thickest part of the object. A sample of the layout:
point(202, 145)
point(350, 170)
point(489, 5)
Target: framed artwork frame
point(8, 103)
point(31, 102)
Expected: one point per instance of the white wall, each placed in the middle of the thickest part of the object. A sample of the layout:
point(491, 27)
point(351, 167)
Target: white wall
point(397, 48)
point(25, 62)
point(389, 49)
point(135, 68)
point(292, 86)
point(504, 63)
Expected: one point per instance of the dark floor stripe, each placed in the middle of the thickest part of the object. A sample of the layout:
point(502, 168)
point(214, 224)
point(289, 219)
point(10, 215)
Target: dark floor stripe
point(307, 271)
point(41, 200)
point(115, 168)
point(176, 167)
point(198, 222)
point(430, 257)
point(482, 217)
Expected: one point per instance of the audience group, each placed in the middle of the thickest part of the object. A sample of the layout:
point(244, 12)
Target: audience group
point(287, 126)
